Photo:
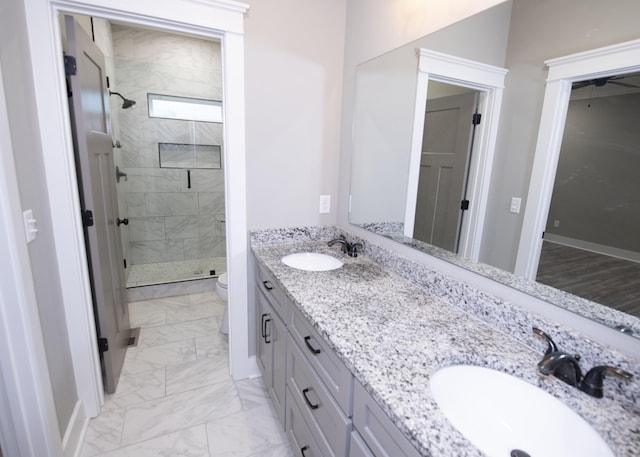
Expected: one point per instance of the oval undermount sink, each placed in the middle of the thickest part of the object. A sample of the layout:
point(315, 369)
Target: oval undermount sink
point(312, 261)
point(500, 414)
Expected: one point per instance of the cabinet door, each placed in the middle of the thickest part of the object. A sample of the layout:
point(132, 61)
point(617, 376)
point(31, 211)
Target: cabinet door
point(264, 348)
point(278, 338)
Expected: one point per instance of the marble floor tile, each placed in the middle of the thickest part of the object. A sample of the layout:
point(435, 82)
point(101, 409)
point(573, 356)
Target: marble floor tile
point(253, 393)
point(198, 373)
point(181, 313)
point(191, 442)
point(142, 359)
point(175, 412)
point(148, 313)
point(181, 331)
point(103, 433)
point(136, 388)
point(212, 346)
point(248, 433)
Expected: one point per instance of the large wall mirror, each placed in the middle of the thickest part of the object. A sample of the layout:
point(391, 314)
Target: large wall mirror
point(520, 36)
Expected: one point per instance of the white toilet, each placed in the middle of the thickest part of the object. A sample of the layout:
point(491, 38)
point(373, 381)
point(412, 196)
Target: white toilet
point(222, 291)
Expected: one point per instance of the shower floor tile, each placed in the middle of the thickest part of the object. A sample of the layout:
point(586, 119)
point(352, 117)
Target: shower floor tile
point(180, 270)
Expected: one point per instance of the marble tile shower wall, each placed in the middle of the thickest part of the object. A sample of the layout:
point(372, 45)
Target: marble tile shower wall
point(168, 218)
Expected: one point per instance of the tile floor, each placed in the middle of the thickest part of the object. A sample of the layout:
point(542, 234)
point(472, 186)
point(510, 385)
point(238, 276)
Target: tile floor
point(175, 396)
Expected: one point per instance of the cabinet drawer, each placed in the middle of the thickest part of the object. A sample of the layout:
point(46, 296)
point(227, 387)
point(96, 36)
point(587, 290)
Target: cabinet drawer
point(335, 375)
point(357, 446)
point(299, 435)
point(272, 290)
point(382, 436)
point(324, 417)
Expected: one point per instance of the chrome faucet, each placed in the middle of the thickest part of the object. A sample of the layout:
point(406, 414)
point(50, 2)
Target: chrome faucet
point(566, 367)
point(351, 249)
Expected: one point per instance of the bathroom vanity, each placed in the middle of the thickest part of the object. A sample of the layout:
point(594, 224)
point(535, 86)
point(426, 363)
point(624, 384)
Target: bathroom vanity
point(347, 354)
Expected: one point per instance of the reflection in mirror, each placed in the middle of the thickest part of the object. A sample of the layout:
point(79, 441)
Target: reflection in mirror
point(447, 143)
point(519, 35)
point(591, 246)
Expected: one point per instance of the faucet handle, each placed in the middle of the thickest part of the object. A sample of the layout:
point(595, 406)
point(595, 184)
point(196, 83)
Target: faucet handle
point(552, 347)
point(592, 381)
point(355, 248)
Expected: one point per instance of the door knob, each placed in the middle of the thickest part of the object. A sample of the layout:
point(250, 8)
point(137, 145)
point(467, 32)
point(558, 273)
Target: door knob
point(124, 221)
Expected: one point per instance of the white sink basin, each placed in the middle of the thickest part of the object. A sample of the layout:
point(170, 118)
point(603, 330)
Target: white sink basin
point(312, 261)
point(500, 413)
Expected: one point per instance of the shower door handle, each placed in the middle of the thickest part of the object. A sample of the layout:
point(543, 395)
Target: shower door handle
point(124, 221)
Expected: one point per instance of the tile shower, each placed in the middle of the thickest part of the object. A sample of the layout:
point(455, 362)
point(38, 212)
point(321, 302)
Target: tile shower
point(176, 211)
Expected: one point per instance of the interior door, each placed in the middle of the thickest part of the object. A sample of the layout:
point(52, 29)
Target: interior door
point(446, 147)
point(89, 107)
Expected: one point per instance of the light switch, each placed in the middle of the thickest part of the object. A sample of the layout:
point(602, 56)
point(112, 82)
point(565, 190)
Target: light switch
point(30, 229)
point(325, 204)
point(515, 205)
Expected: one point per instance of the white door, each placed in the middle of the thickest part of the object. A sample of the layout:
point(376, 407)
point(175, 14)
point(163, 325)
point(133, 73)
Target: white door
point(446, 146)
point(89, 107)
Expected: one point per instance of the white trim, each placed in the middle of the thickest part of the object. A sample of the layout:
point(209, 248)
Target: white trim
point(30, 409)
point(487, 79)
point(73, 436)
point(608, 61)
point(207, 18)
point(610, 251)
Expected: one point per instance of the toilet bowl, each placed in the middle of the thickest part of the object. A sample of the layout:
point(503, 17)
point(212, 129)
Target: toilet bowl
point(222, 291)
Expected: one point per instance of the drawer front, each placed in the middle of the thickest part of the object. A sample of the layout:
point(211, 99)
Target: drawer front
point(380, 434)
point(357, 446)
point(324, 417)
point(335, 375)
point(299, 435)
point(272, 290)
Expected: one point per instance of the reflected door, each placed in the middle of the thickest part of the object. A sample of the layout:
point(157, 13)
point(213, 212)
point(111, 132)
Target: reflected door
point(444, 163)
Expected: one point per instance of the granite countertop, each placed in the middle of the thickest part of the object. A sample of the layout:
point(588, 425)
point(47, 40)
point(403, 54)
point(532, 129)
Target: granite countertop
point(393, 334)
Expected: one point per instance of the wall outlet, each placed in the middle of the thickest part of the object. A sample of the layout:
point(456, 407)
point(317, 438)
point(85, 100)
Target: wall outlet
point(515, 205)
point(556, 223)
point(30, 229)
point(325, 204)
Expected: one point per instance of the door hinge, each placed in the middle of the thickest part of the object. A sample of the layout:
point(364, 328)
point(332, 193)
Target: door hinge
point(70, 66)
point(87, 217)
point(476, 118)
point(464, 205)
point(103, 345)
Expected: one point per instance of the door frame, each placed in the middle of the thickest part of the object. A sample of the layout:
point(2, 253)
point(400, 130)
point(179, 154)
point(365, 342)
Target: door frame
point(221, 19)
point(563, 72)
point(489, 81)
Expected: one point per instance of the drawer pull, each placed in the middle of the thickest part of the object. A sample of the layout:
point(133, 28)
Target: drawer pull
point(267, 334)
point(264, 329)
point(267, 285)
point(311, 348)
point(303, 449)
point(311, 405)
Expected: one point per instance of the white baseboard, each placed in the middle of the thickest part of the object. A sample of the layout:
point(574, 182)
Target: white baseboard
point(593, 247)
point(76, 429)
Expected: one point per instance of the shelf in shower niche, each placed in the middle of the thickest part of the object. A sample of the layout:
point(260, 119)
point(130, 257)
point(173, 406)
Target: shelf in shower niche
point(192, 156)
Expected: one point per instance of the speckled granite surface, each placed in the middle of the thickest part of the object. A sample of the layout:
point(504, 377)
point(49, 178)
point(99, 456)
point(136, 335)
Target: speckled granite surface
point(394, 322)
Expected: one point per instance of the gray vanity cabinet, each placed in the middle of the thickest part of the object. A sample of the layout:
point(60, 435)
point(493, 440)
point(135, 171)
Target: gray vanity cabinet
point(381, 435)
point(271, 339)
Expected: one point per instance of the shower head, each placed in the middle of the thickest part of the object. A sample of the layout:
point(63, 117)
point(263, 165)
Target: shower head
point(126, 103)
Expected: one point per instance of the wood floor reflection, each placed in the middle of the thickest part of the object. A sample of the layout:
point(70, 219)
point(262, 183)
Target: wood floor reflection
point(608, 280)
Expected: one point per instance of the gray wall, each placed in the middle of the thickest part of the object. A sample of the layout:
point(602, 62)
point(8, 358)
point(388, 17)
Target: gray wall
point(21, 105)
point(537, 35)
point(596, 195)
